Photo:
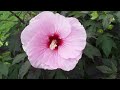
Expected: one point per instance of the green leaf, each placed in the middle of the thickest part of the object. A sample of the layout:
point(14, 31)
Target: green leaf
point(76, 14)
point(60, 75)
point(94, 26)
point(114, 68)
point(19, 58)
point(88, 23)
point(104, 69)
point(112, 76)
point(106, 43)
point(91, 51)
point(107, 46)
point(107, 21)
point(94, 15)
point(14, 71)
point(109, 63)
point(14, 74)
point(118, 16)
point(113, 59)
point(14, 43)
point(51, 74)
point(0, 76)
point(24, 69)
point(6, 56)
point(101, 17)
point(81, 65)
point(100, 31)
point(4, 69)
point(90, 34)
point(4, 15)
point(106, 62)
point(34, 74)
point(110, 27)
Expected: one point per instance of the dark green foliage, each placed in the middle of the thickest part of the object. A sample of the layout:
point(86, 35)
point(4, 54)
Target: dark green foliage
point(100, 59)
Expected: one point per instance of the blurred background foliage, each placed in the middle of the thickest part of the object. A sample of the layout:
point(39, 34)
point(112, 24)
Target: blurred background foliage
point(100, 60)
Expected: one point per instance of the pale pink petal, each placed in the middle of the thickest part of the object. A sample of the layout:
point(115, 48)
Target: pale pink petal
point(35, 47)
point(42, 15)
point(50, 61)
point(59, 23)
point(33, 55)
point(46, 59)
point(46, 23)
point(39, 55)
point(74, 43)
point(62, 26)
point(76, 25)
point(74, 22)
point(42, 27)
point(28, 33)
point(68, 64)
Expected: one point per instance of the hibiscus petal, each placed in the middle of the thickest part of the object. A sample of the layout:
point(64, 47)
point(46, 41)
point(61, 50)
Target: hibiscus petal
point(46, 59)
point(43, 25)
point(39, 55)
point(75, 42)
point(62, 26)
point(74, 22)
point(50, 61)
point(68, 64)
point(42, 15)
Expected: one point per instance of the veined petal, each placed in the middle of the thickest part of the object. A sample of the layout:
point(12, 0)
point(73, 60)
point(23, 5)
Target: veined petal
point(75, 42)
point(68, 64)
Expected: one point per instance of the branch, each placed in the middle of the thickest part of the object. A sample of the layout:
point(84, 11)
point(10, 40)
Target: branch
point(17, 17)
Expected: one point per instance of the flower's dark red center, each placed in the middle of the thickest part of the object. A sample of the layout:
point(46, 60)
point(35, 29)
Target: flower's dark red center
point(54, 42)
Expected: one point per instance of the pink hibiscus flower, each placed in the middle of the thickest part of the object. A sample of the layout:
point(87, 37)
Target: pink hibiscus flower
point(53, 41)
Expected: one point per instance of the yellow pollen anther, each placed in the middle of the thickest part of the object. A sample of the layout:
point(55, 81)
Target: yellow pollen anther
point(53, 44)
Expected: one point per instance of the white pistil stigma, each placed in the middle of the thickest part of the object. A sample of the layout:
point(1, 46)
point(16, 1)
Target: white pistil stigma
point(53, 44)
